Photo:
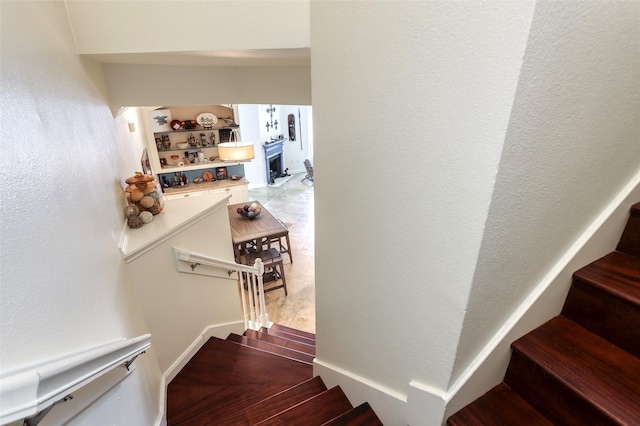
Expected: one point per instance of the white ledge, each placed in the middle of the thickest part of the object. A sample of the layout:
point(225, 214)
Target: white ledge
point(26, 391)
point(177, 215)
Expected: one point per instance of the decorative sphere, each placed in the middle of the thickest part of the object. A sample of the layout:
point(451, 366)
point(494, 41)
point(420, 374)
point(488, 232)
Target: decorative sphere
point(146, 217)
point(136, 195)
point(131, 210)
point(147, 202)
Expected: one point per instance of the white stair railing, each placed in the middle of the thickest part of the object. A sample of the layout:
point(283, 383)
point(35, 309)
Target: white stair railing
point(249, 278)
point(29, 392)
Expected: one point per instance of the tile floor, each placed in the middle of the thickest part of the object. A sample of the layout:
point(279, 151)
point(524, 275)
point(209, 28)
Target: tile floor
point(292, 203)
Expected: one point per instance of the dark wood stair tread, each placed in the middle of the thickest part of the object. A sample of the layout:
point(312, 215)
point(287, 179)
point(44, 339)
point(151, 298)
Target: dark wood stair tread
point(500, 406)
point(291, 330)
point(290, 336)
point(223, 376)
point(363, 414)
point(580, 368)
point(271, 406)
point(317, 410)
point(606, 308)
point(630, 240)
point(616, 273)
point(272, 348)
point(291, 344)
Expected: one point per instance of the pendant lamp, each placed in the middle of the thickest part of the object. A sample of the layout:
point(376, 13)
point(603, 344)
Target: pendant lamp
point(235, 150)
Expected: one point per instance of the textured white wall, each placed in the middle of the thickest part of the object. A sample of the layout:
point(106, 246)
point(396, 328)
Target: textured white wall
point(573, 142)
point(414, 98)
point(64, 157)
point(175, 26)
point(147, 85)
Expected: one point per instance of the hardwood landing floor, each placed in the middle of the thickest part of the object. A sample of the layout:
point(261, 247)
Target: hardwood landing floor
point(292, 203)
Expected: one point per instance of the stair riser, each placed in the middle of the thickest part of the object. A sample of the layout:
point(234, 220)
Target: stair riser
point(549, 395)
point(271, 406)
point(317, 410)
point(271, 348)
point(630, 240)
point(608, 316)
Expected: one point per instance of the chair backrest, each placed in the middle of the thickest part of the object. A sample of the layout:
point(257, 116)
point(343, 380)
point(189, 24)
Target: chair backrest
point(307, 165)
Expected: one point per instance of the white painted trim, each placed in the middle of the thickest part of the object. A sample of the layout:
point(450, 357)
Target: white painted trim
point(220, 331)
point(425, 404)
point(27, 390)
point(619, 206)
point(390, 406)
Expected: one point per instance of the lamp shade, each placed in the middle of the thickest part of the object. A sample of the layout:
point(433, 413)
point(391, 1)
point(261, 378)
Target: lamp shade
point(235, 151)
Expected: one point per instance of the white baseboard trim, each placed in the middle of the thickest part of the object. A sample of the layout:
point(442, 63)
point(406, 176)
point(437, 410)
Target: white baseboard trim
point(389, 405)
point(600, 237)
point(220, 331)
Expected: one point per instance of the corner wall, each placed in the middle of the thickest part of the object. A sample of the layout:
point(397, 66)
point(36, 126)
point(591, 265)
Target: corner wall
point(64, 158)
point(414, 98)
point(572, 145)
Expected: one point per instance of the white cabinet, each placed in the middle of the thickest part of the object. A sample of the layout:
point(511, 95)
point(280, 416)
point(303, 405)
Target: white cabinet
point(239, 193)
point(238, 190)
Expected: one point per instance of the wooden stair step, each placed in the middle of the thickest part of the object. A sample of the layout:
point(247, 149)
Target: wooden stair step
point(630, 241)
point(290, 336)
point(500, 406)
point(291, 344)
point(616, 273)
point(363, 414)
point(573, 376)
point(292, 330)
point(316, 410)
point(271, 348)
point(605, 298)
point(223, 376)
point(271, 406)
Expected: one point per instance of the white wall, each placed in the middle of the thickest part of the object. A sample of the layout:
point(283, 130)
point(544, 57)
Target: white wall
point(64, 157)
point(178, 307)
point(414, 99)
point(573, 143)
point(146, 85)
point(175, 26)
point(107, 27)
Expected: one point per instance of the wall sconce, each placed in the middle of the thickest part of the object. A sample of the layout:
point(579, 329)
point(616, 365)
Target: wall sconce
point(271, 123)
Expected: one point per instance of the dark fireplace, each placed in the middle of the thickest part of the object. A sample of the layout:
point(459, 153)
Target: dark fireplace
point(275, 167)
point(274, 161)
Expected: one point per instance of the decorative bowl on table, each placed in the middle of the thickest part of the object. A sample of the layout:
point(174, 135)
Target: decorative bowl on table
point(182, 145)
point(250, 211)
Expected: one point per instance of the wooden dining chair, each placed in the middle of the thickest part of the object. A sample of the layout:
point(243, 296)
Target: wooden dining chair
point(273, 268)
point(283, 246)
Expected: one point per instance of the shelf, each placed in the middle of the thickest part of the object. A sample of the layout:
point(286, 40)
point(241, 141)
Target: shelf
point(198, 166)
point(198, 129)
point(189, 148)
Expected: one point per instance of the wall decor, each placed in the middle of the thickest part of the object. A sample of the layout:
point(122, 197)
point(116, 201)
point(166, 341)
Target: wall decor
point(271, 123)
point(160, 120)
point(291, 119)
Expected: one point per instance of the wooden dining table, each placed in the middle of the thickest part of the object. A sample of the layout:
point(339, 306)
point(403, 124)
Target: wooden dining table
point(256, 231)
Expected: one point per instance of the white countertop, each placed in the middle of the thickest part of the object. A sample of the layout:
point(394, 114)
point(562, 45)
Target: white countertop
point(176, 215)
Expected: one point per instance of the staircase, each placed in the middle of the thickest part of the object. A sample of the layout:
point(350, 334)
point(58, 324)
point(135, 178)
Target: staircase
point(260, 378)
point(582, 367)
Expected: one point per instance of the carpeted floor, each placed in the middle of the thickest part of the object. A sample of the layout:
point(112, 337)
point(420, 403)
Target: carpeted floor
point(292, 203)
